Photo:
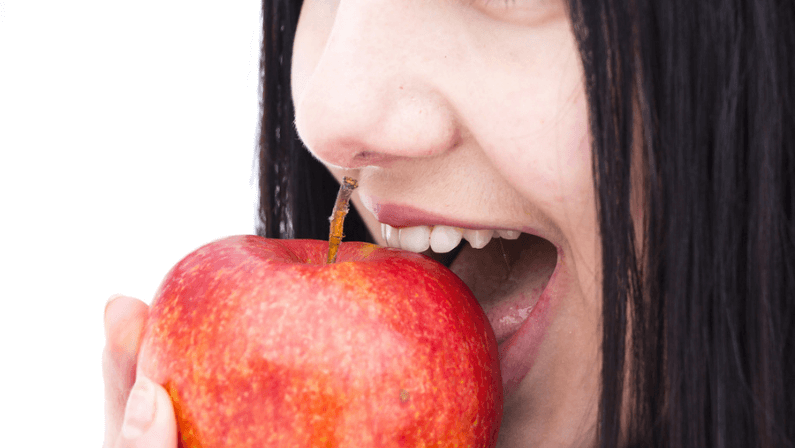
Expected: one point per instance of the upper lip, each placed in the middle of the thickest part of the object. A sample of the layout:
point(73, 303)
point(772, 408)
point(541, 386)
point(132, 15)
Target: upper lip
point(398, 215)
point(407, 216)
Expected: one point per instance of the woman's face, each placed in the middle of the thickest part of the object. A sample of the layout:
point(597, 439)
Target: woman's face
point(468, 118)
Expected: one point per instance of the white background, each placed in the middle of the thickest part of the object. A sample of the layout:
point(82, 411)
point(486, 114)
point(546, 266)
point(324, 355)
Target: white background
point(127, 139)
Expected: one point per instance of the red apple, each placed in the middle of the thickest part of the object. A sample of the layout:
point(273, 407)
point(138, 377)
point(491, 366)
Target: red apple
point(261, 343)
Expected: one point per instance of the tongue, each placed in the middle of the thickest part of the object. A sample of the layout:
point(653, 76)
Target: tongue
point(507, 277)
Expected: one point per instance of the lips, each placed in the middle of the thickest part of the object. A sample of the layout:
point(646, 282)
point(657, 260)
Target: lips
point(510, 279)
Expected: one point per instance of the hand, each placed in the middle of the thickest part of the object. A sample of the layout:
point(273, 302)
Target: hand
point(138, 412)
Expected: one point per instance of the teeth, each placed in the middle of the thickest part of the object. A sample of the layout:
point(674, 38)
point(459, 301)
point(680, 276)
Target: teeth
point(478, 238)
point(415, 239)
point(391, 235)
point(509, 234)
point(441, 239)
point(444, 238)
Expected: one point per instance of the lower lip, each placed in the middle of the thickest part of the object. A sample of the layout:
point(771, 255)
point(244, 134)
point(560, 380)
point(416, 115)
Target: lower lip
point(518, 353)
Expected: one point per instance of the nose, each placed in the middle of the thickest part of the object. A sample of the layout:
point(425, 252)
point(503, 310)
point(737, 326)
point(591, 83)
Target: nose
point(365, 98)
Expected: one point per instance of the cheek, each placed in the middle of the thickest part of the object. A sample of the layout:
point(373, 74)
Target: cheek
point(581, 213)
point(577, 208)
point(551, 164)
point(579, 135)
point(576, 158)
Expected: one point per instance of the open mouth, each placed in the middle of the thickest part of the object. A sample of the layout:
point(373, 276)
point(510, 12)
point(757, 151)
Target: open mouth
point(507, 277)
point(513, 275)
point(506, 270)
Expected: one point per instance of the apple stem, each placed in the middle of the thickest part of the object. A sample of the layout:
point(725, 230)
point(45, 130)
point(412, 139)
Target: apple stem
point(338, 217)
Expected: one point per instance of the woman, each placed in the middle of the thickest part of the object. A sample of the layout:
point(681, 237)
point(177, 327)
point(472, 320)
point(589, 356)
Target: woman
point(643, 153)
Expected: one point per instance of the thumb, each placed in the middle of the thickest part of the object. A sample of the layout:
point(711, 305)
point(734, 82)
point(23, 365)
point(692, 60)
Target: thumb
point(149, 420)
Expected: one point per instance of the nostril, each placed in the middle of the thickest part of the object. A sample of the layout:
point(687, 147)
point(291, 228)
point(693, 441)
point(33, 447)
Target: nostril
point(366, 156)
point(371, 158)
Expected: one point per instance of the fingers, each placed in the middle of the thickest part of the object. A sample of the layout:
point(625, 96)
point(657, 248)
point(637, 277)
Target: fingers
point(149, 420)
point(124, 321)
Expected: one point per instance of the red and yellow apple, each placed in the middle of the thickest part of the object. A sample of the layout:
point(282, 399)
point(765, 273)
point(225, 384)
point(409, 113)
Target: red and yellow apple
point(262, 343)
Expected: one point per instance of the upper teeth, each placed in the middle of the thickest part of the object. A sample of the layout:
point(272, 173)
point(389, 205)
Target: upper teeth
point(440, 239)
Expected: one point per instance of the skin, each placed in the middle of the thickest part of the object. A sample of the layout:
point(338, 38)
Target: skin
point(124, 322)
point(473, 110)
point(469, 109)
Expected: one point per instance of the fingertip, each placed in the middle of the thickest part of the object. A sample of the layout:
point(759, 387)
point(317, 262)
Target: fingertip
point(124, 319)
point(120, 302)
point(162, 433)
point(165, 419)
point(139, 412)
point(112, 299)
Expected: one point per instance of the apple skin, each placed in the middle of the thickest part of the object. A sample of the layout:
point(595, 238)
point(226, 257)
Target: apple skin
point(260, 343)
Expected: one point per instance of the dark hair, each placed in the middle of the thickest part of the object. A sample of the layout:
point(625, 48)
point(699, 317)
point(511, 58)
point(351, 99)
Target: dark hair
point(709, 300)
point(707, 296)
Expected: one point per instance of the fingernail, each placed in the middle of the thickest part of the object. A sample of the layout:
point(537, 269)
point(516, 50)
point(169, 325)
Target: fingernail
point(140, 410)
point(111, 299)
